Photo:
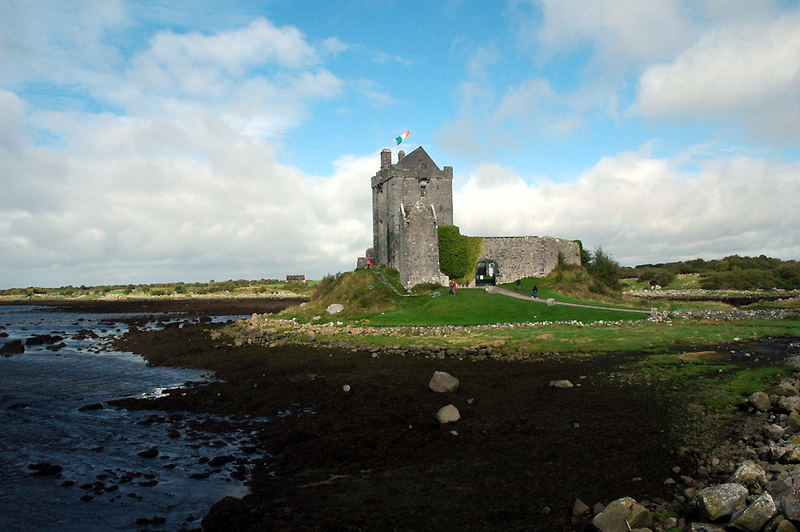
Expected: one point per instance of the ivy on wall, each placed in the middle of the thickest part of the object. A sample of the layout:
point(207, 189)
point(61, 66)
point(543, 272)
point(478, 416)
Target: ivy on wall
point(458, 254)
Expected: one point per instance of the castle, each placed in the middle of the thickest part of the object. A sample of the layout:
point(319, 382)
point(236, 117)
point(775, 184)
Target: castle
point(412, 198)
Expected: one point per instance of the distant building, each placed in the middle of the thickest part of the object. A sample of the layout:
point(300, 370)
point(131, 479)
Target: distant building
point(300, 277)
point(412, 198)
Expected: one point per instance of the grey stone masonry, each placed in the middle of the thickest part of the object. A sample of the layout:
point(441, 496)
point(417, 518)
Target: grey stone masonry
point(528, 256)
point(412, 198)
point(395, 187)
point(419, 247)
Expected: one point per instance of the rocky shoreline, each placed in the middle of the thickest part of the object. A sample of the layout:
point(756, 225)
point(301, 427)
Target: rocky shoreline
point(749, 482)
point(376, 426)
point(357, 439)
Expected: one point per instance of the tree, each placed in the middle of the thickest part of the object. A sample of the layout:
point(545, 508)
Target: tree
point(604, 269)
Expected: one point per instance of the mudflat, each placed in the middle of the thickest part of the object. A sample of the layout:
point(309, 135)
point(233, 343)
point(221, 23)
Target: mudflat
point(193, 306)
point(376, 457)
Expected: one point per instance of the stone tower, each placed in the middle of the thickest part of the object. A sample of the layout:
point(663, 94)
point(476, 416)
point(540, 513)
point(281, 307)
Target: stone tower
point(410, 200)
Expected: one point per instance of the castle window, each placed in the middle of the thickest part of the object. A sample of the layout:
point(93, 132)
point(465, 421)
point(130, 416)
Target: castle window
point(422, 187)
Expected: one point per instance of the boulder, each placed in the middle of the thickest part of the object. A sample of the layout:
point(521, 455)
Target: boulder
point(579, 508)
point(786, 388)
point(760, 401)
point(755, 516)
point(784, 526)
point(564, 383)
point(45, 469)
point(791, 454)
point(149, 453)
point(789, 403)
point(448, 414)
point(773, 432)
point(443, 382)
point(783, 494)
point(623, 515)
point(721, 500)
point(706, 527)
point(14, 347)
point(750, 475)
point(794, 421)
point(794, 361)
point(334, 308)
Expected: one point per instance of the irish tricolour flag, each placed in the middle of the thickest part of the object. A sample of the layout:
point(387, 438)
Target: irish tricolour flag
point(401, 138)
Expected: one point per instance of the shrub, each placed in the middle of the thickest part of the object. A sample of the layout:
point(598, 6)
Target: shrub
point(458, 254)
point(659, 276)
point(605, 270)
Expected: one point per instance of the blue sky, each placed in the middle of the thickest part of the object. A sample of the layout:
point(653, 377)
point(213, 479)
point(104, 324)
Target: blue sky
point(161, 141)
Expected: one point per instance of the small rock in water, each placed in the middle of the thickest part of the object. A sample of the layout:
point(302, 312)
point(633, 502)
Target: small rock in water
point(346, 388)
point(149, 453)
point(564, 383)
point(45, 469)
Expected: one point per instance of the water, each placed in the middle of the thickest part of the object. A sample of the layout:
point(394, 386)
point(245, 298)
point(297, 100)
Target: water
point(104, 483)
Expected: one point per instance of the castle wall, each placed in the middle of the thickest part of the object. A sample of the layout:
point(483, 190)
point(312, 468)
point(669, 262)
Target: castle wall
point(415, 177)
point(528, 256)
point(419, 248)
point(412, 197)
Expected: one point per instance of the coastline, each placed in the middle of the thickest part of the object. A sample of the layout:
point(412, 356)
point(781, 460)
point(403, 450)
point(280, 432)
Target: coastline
point(354, 442)
point(211, 306)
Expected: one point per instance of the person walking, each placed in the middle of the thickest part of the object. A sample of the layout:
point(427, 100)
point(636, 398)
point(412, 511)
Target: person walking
point(519, 282)
point(535, 292)
point(452, 288)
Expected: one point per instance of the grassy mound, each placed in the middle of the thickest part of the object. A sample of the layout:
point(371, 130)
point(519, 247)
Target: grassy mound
point(361, 292)
point(574, 284)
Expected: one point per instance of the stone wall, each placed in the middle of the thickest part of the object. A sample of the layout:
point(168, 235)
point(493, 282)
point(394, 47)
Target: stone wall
point(419, 248)
point(528, 256)
point(415, 177)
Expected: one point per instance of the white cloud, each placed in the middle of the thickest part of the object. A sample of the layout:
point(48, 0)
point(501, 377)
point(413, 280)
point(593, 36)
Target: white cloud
point(620, 35)
point(642, 209)
point(748, 71)
point(229, 212)
point(235, 51)
point(182, 181)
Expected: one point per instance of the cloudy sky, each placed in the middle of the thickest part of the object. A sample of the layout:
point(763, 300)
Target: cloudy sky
point(151, 141)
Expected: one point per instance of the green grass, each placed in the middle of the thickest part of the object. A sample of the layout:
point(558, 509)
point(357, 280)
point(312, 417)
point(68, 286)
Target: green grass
point(571, 340)
point(242, 288)
point(473, 306)
point(721, 381)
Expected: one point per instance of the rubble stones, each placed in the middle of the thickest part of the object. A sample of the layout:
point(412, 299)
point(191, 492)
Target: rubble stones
point(561, 384)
